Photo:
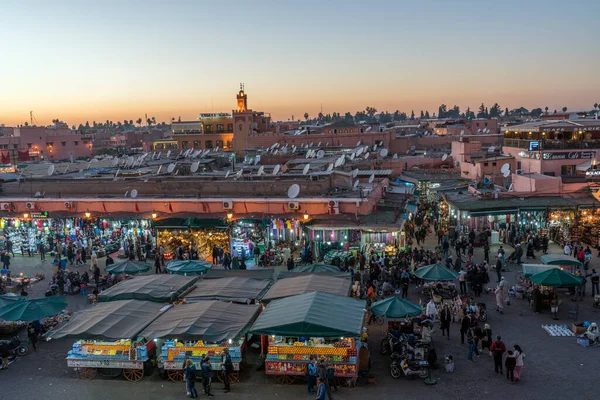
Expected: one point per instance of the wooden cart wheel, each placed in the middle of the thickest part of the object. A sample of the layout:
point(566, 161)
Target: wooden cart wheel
point(133, 375)
point(285, 379)
point(87, 373)
point(175, 375)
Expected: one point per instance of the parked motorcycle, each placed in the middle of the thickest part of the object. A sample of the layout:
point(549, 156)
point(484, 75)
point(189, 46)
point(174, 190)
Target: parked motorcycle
point(401, 364)
point(396, 342)
point(15, 346)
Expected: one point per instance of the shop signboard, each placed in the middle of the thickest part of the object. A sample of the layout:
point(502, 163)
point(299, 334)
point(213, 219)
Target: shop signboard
point(95, 363)
point(569, 155)
point(39, 215)
point(592, 172)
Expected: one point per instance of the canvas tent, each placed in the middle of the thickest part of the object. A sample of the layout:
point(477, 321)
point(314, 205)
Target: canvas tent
point(159, 288)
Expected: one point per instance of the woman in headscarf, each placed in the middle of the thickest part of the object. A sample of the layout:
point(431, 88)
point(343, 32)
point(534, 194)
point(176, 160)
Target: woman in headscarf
point(519, 355)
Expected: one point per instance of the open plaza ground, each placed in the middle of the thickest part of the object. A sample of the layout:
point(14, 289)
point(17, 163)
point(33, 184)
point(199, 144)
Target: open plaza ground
point(555, 367)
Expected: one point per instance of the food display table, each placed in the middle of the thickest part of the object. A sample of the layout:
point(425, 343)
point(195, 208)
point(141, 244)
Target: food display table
point(111, 358)
point(288, 359)
point(173, 353)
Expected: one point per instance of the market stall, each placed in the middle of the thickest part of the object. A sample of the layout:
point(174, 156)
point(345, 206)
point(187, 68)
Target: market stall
point(441, 288)
point(571, 263)
point(188, 267)
point(310, 268)
point(306, 283)
point(200, 234)
point(108, 339)
point(235, 289)
point(157, 288)
point(25, 309)
point(547, 281)
point(333, 240)
point(320, 325)
point(398, 312)
point(260, 273)
point(198, 329)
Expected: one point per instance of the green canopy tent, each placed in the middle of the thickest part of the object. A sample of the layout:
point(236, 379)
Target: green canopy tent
point(314, 314)
point(212, 321)
point(396, 307)
point(8, 299)
point(556, 277)
point(560, 259)
point(122, 319)
point(436, 272)
point(128, 267)
point(158, 288)
point(316, 268)
point(188, 267)
point(32, 310)
point(307, 283)
point(532, 269)
point(261, 274)
point(237, 289)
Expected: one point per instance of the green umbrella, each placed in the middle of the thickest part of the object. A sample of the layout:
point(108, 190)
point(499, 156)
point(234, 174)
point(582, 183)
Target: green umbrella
point(188, 267)
point(436, 272)
point(396, 307)
point(8, 300)
point(316, 268)
point(560, 259)
point(127, 267)
point(556, 277)
point(32, 310)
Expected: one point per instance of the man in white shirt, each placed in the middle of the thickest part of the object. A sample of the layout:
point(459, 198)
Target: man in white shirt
point(430, 310)
point(567, 250)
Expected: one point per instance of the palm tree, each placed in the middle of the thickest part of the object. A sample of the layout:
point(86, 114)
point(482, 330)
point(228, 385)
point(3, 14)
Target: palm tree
point(139, 122)
point(546, 110)
point(306, 116)
point(172, 119)
point(149, 121)
point(153, 120)
point(564, 109)
point(595, 106)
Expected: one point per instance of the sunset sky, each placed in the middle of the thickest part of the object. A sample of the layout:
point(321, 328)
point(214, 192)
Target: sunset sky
point(84, 60)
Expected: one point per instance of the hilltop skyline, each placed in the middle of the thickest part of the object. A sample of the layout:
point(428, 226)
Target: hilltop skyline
point(120, 61)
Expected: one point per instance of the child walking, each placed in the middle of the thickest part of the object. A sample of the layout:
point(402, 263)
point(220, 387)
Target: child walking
point(510, 364)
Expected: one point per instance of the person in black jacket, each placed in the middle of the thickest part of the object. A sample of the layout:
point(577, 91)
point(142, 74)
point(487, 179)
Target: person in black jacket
point(445, 320)
point(464, 326)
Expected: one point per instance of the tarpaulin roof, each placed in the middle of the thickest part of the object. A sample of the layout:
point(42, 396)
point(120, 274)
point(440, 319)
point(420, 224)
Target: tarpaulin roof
point(236, 289)
point(123, 319)
point(312, 314)
point(260, 273)
point(316, 268)
point(188, 267)
point(159, 288)
point(128, 267)
point(556, 277)
point(531, 269)
point(211, 321)
point(23, 309)
point(396, 307)
point(560, 259)
point(436, 272)
point(306, 283)
point(290, 274)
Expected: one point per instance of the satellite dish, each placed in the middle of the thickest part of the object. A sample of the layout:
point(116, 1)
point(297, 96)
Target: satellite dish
point(352, 155)
point(506, 173)
point(358, 143)
point(478, 130)
point(359, 151)
point(342, 160)
point(366, 155)
point(371, 178)
point(444, 157)
point(383, 153)
point(50, 170)
point(227, 174)
point(395, 156)
point(319, 144)
point(320, 154)
point(275, 152)
point(239, 173)
point(37, 194)
point(293, 191)
point(330, 168)
point(491, 149)
point(217, 149)
point(306, 169)
point(168, 153)
point(356, 182)
point(114, 162)
point(354, 173)
point(505, 167)
point(311, 144)
point(126, 193)
point(412, 148)
point(159, 168)
point(276, 169)
point(374, 147)
point(284, 150)
point(462, 132)
point(94, 160)
point(194, 167)
point(293, 148)
point(171, 168)
point(307, 155)
point(133, 193)
point(261, 170)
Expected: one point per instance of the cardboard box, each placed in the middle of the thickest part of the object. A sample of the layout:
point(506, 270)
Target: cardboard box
point(578, 330)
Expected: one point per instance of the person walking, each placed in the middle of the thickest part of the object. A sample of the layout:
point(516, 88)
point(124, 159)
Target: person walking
point(464, 326)
point(498, 349)
point(190, 379)
point(430, 310)
point(331, 377)
point(471, 343)
point(446, 319)
point(519, 355)
point(312, 376)
point(207, 374)
point(227, 368)
point(321, 390)
point(32, 335)
point(157, 267)
point(486, 340)
point(256, 251)
point(510, 364)
point(322, 377)
point(42, 252)
point(595, 279)
point(498, 267)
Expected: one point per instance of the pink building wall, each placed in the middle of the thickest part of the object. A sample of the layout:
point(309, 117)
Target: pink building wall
point(540, 184)
point(48, 144)
point(540, 166)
